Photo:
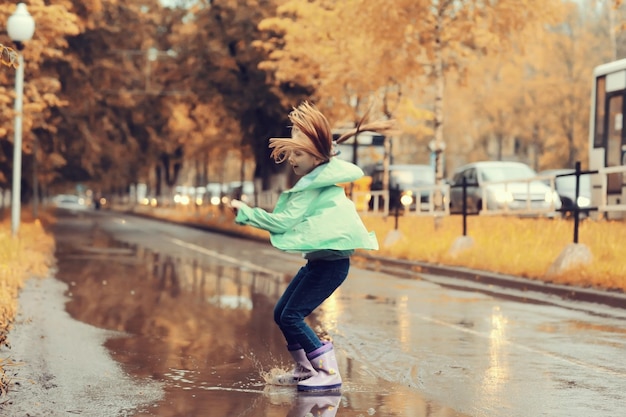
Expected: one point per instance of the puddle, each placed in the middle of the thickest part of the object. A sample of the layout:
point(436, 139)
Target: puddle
point(198, 321)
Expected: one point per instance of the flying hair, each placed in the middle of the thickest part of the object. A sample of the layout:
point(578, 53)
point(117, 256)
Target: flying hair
point(311, 132)
point(379, 126)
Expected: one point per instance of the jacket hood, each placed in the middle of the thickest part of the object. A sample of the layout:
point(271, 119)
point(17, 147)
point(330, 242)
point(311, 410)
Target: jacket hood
point(333, 172)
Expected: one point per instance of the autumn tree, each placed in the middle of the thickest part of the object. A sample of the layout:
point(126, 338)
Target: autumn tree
point(218, 56)
point(336, 50)
point(119, 92)
point(323, 41)
point(97, 123)
point(454, 31)
point(562, 63)
point(42, 91)
point(115, 129)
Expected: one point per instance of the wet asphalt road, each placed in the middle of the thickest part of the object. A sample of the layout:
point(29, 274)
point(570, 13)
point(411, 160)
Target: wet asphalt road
point(192, 312)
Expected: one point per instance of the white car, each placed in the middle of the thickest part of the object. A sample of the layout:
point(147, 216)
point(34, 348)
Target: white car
point(501, 187)
point(70, 202)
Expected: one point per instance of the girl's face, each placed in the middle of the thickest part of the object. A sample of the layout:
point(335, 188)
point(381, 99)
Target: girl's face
point(302, 162)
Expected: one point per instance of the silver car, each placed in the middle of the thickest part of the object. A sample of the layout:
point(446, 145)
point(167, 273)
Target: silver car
point(70, 202)
point(502, 187)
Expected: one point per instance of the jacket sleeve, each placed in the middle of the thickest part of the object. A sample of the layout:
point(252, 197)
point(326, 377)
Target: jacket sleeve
point(280, 222)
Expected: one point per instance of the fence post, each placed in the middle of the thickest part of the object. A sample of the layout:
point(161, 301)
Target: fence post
point(464, 211)
point(576, 208)
point(396, 207)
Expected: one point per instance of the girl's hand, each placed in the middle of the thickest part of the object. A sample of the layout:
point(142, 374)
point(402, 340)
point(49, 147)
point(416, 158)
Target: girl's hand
point(235, 205)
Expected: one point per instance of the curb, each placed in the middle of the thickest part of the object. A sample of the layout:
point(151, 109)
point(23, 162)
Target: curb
point(610, 298)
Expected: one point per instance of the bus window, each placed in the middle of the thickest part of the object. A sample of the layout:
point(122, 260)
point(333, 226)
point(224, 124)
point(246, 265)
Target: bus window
point(614, 143)
point(600, 112)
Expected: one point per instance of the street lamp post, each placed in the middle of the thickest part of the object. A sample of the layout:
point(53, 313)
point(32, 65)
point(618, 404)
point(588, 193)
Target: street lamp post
point(20, 27)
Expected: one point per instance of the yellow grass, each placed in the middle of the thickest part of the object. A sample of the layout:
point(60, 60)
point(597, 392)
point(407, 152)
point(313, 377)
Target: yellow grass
point(521, 247)
point(30, 254)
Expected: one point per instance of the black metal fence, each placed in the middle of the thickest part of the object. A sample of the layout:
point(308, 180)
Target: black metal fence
point(575, 210)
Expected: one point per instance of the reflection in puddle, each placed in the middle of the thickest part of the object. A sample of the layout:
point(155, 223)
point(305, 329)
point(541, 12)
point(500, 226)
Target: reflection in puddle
point(231, 301)
point(320, 405)
point(498, 371)
point(198, 327)
point(204, 328)
point(179, 375)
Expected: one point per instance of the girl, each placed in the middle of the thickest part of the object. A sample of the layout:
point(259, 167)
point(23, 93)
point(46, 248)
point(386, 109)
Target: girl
point(316, 219)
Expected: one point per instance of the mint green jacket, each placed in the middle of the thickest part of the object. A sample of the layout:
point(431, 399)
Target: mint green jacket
point(315, 214)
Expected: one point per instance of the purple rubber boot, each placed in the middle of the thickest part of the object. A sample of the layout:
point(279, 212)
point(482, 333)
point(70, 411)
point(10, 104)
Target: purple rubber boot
point(320, 405)
point(301, 371)
point(325, 363)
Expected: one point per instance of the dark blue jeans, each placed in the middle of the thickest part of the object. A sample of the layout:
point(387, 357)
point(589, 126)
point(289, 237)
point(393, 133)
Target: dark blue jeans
point(314, 283)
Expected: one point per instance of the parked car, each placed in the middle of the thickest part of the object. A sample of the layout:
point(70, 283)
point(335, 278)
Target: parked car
point(565, 186)
point(70, 202)
point(502, 186)
point(403, 182)
point(215, 191)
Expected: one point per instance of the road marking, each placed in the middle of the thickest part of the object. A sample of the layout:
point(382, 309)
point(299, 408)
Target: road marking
point(553, 355)
point(225, 258)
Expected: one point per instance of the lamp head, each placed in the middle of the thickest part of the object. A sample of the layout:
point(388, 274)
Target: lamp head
point(20, 26)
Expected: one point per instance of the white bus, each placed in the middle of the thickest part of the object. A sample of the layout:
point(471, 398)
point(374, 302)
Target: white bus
point(607, 139)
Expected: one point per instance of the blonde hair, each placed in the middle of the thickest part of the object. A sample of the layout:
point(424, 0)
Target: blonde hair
point(311, 133)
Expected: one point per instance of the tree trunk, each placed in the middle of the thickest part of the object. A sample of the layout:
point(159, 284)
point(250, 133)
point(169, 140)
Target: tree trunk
point(439, 115)
point(439, 144)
